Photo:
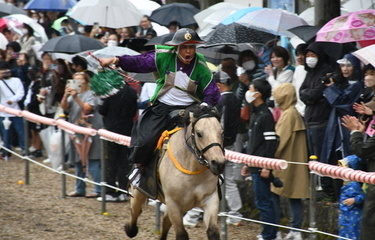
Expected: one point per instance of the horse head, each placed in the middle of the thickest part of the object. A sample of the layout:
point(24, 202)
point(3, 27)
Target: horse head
point(207, 137)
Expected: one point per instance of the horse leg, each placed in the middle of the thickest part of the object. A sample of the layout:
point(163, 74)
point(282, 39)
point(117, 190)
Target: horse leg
point(166, 225)
point(136, 203)
point(174, 215)
point(210, 218)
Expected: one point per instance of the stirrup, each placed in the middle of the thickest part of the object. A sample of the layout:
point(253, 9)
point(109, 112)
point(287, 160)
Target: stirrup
point(135, 176)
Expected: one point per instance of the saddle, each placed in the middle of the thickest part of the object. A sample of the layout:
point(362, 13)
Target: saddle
point(149, 184)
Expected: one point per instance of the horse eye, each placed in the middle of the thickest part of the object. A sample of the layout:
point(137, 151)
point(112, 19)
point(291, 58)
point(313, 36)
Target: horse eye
point(199, 135)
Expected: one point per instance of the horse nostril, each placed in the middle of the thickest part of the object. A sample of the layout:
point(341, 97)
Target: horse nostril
point(217, 167)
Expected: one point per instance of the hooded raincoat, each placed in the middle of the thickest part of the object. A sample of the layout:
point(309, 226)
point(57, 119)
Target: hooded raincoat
point(293, 145)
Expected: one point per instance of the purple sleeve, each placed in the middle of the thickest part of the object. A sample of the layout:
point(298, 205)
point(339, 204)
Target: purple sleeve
point(143, 63)
point(211, 94)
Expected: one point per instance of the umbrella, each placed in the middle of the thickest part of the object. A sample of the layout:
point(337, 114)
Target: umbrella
point(351, 27)
point(239, 14)
point(48, 5)
point(366, 55)
point(214, 14)
point(3, 41)
point(357, 5)
point(235, 33)
point(107, 52)
point(216, 53)
point(160, 30)
point(305, 32)
point(183, 13)
point(71, 44)
point(15, 22)
point(7, 9)
point(275, 21)
point(145, 6)
point(108, 13)
point(160, 40)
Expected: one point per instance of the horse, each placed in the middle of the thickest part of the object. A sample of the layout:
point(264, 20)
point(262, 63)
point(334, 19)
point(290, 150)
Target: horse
point(193, 180)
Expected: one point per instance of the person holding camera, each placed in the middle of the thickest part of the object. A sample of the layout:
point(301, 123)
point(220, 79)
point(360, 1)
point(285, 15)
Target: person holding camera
point(343, 90)
point(293, 148)
point(311, 93)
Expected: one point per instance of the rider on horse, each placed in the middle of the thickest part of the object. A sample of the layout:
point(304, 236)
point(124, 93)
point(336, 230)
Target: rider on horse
point(184, 79)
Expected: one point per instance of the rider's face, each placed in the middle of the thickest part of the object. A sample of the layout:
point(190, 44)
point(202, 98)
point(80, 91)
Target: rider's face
point(186, 53)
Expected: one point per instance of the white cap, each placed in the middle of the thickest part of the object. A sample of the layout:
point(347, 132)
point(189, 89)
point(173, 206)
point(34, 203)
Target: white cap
point(344, 61)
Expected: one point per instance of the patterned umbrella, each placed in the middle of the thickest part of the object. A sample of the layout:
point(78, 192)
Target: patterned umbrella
point(351, 27)
point(235, 33)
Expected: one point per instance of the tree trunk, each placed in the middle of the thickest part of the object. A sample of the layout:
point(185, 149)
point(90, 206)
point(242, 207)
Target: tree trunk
point(326, 10)
point(201, 4)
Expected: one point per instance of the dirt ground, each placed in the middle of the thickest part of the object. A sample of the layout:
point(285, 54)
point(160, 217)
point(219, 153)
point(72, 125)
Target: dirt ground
point(38, 211)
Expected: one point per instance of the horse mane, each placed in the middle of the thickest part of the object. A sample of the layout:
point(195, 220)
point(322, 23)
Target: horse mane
point(200, 110)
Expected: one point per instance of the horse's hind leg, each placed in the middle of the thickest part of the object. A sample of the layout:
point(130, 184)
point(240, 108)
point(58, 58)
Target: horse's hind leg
point(136, 203)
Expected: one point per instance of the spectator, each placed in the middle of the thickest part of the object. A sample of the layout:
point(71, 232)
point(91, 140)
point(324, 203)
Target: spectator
point(351, 202)
point(27, 41)
point(229, 108)
point(21, 72)
point(340, 95)
point(118, 113)
point(300, 75)
point(79, 64)
point(293, 148)
point(173, 26)
point(32, 105)
point(317, 108)
point(148, 90)
point(78, 103)
point(364, 150)
point(228, 65)
point(13, 49)
point(113, 40)
point(11, 91)
point(144, 27)
point(262, 142)
point(126, 33)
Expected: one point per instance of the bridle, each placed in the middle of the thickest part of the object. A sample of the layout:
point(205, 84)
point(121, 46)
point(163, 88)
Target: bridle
point(199, 153)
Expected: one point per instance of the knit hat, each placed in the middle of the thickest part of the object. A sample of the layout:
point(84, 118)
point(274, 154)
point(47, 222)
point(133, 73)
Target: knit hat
point(106, 83)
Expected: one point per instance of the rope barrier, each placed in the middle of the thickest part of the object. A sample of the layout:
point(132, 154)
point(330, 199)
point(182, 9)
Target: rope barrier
point(270, 163)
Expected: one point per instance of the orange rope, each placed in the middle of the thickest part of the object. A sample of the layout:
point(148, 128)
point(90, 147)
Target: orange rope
point(179, 167)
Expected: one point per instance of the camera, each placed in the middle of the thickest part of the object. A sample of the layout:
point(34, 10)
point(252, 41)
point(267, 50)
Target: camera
point(327, 78)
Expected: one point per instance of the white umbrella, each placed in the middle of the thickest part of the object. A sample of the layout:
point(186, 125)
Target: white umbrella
point(108, 13)
point(366, 55)
point(159, 29)
point(214, 14)
point(3, 41)
point(145, 6)
point(275, 21)
point(15, 23)
point(107, 52)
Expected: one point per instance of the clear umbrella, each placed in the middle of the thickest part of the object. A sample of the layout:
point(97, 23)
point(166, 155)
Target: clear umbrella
point(108, 13)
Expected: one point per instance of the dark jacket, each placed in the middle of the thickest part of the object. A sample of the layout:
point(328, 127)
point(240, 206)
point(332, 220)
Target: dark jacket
point(119, 111)
point(262, 137)
point(311, 92)
point(229, 108)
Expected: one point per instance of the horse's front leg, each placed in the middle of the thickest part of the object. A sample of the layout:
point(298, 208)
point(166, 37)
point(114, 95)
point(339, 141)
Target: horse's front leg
point(174, 215)
point(136, 203)
point(211, 209)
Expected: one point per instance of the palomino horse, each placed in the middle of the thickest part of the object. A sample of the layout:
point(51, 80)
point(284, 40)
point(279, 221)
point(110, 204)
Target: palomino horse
point(193, 181)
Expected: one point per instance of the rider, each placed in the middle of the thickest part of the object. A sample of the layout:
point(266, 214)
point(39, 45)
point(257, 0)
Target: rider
point(184, 79)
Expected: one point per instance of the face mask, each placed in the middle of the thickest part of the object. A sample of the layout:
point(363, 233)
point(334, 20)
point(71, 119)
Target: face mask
point(311, 62)
point(370, 81)
point(249, 96)
point(112, 43)
point(24, 31)
point(248, 65)
point(81, 29)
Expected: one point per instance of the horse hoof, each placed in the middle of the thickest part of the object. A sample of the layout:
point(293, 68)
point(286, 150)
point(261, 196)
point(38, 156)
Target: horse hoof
point(130, 230)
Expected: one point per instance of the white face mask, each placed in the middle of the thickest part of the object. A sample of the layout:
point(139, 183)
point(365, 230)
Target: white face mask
point(248, 65)
point(112, 43)
point(24, 31)
point(81, 29)
point(249, 96)
point(311, 62)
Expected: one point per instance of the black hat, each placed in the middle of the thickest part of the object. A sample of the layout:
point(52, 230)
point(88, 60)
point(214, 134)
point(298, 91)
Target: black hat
point(221, 77)
point(185, 36)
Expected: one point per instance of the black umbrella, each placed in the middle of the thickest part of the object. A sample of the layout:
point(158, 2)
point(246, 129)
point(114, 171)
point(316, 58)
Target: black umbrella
point(216, 53)
point(7, 9)
point(160, 40)
point(183, 13)
point(71, 44)
point(235, 33)
point(306, 32)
